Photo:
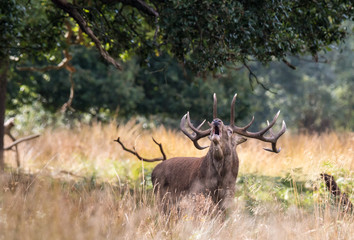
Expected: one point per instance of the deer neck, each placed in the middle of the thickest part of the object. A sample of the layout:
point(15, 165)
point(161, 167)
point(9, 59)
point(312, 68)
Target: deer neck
point(221, 155)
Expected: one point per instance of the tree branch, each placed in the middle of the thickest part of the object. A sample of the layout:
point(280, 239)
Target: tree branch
point(71, 96)
point(289, 64)
point(252, 75)
point(9, 124)
point(20, 140)
point(65, 63)
point(138, 4)
point(135, 153)
point(61, 65)
point(74, 13)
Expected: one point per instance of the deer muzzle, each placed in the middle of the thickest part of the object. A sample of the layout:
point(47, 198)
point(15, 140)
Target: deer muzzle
point(216, 130)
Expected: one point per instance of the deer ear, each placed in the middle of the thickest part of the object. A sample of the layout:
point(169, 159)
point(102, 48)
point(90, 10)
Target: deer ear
point(238, 140)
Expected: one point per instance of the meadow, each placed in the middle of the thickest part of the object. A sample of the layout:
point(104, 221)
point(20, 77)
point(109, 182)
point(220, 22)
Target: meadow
point(79, 184)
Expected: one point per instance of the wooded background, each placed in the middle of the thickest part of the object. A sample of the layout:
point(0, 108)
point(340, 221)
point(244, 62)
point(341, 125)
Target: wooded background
point(63, 61)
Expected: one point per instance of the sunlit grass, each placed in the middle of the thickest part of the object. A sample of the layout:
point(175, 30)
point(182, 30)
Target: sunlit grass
point(91, 150)
point(44, 208)
point(80, 184)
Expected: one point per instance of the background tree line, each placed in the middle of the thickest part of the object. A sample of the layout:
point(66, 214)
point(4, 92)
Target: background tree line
point(316, 97)
point(198, 40)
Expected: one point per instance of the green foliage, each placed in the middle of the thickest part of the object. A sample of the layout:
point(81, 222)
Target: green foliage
point(162, 88)
point(257, 190)
point(98, 87)
point(33, 118)
point(30, 28)
point(207, 34)
point(317, 97)
point(202, 35)
point(171, 90)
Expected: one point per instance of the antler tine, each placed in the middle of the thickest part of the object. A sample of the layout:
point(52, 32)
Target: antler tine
point(263, 131)
point(274, 148)
point(232, 115)
point(197, 133)
point(271, 129)
point(215, 106)
point(135, 153)
point(161, 149)
point(249, 124)
point(276, 137)
point(200, 125)
point(260, 134)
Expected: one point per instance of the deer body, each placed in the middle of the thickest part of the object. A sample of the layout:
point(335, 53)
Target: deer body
point(198, 175)
point(215, 174)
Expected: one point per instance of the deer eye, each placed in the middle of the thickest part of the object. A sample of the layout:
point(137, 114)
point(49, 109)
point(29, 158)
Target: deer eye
point(229, 132)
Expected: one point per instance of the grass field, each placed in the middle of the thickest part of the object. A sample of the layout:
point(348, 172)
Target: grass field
point(79, 184)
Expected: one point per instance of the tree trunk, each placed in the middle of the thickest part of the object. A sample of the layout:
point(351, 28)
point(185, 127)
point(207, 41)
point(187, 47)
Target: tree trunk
point(4, 67)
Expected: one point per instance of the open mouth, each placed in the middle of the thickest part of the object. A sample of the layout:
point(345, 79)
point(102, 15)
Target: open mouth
point(216, 130)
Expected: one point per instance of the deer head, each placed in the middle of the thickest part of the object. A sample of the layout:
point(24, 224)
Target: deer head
point(214, 174)
point(218, 129)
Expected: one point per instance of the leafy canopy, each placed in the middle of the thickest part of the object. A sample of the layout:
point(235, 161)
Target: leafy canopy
point(202, 34)
point(209, 33)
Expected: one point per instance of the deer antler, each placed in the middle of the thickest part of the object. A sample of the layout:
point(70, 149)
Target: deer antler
point(134, 152)
point(197, 133)
point(215, 104)
point(260, 134)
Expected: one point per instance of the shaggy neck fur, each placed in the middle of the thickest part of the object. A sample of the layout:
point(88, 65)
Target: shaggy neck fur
point(220, 153)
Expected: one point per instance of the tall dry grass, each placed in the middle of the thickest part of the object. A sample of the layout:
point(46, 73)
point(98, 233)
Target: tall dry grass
point(42, 208)
point(43, 202)
point(88, 149)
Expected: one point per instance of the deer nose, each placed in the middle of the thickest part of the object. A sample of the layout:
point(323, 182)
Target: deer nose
point(216, 122)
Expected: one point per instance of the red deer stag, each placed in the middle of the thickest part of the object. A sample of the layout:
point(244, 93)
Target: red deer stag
point(214, 174)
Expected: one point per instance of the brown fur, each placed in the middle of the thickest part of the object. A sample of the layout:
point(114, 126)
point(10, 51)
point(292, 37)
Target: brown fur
point(214, 174)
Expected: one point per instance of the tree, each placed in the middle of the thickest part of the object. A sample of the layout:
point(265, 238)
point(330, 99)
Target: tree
point(27, 30)
point(161, 91)
point(207, 34)
point(202, 35)
point(318, 98)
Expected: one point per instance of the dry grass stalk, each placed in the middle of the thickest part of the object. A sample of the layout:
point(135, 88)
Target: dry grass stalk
point(88, 148)
point(39, 206)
